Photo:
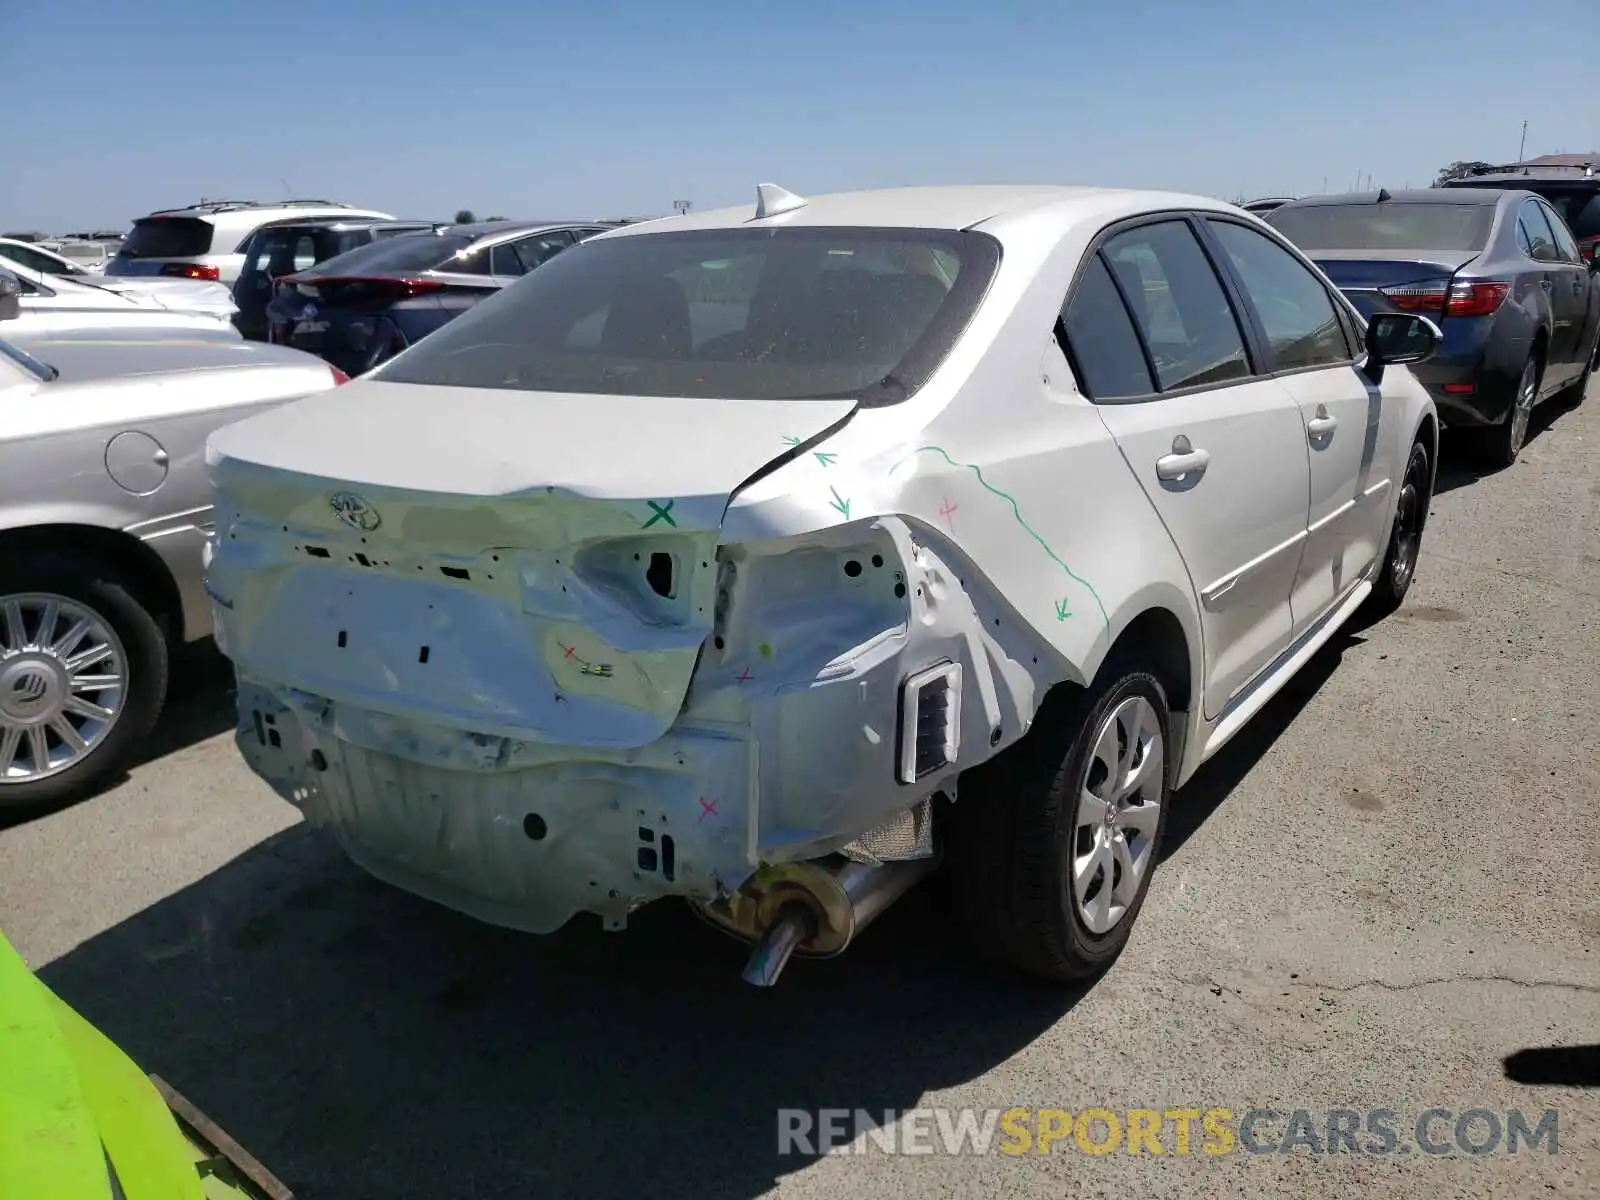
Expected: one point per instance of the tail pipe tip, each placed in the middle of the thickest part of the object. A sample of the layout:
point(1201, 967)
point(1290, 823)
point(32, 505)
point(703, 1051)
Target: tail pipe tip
point(793, 926)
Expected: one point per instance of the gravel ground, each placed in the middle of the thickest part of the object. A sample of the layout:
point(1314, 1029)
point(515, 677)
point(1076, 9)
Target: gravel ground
point(1384, 894)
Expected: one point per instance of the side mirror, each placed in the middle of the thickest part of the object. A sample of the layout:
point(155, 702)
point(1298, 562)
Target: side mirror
point(10, 298)
point(1396, 339)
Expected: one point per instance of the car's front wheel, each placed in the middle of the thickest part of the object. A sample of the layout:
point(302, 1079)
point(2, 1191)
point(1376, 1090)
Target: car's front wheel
point(1400, 557)
point(83, 675)
point(1053, 848)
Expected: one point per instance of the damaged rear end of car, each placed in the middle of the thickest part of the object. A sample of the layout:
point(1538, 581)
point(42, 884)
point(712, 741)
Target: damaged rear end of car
point(489, 632)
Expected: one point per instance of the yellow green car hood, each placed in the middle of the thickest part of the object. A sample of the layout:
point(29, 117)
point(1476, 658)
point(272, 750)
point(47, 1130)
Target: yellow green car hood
point(78, 1119)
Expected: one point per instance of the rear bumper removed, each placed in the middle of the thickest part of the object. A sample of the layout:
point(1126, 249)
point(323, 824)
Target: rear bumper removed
point(814, 723)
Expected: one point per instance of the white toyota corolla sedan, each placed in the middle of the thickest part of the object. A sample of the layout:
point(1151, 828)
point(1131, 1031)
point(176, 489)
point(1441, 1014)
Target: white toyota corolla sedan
point(770, 557)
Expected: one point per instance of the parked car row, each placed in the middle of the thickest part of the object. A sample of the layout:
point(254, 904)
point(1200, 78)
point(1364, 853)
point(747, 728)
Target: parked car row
point(1512, 288)
point(1020, 502)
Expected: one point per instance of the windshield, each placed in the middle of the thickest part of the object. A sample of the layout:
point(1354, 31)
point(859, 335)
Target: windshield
point(760, 314)
point(408, 252)
point(1455, 227)
point(1580, 210)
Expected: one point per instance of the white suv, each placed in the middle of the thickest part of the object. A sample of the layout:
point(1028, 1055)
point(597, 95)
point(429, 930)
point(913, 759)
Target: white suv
point(204, 240)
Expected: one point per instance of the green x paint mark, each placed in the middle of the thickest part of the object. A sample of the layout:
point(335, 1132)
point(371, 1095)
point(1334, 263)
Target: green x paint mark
point(840, 503)
point(662, 513)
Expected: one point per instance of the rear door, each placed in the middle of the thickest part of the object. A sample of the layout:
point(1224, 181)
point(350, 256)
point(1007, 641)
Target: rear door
point(270, 254)
point(1349, 427)
point(1573, 298)
point(1219, 448)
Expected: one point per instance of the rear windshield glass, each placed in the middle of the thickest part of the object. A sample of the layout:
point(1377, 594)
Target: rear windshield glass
point(760, 314)
point(1385, 226)
point(408, 252)
point(167, 237)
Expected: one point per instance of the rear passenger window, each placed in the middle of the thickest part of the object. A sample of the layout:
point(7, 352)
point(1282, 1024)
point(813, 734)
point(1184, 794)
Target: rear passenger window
point(1533, 233)
point(1564, 240)
point(1301, 323)
point(1101, 338)
point(1178, 304)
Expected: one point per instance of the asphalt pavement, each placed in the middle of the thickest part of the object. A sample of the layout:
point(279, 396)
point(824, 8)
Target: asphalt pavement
point(1385, 894)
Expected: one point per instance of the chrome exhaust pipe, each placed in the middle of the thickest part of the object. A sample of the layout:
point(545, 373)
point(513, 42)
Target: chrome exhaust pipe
point(794, 924)
point(814, 908)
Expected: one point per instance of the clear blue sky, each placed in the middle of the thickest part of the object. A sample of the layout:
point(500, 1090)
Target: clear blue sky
point(597, 107)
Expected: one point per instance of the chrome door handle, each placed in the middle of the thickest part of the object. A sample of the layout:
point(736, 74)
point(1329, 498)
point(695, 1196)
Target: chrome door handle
point(1322, 426)
point(1184, 460)
point(1546, 284)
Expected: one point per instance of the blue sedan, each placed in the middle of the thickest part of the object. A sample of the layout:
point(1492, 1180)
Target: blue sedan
point(1498, 271)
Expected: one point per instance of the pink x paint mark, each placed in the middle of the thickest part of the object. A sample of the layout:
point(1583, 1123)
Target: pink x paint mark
point(569, 650)
point(744, 676)
point(708, 808)
point(947, 510)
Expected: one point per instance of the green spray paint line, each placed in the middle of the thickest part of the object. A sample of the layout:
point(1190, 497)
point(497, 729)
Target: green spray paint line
point(1016, 512)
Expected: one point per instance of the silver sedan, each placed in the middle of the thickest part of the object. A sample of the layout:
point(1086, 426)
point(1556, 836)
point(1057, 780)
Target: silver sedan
point(105, 505)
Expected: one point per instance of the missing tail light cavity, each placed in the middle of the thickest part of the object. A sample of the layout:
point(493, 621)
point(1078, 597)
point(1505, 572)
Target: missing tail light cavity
point(659, 575)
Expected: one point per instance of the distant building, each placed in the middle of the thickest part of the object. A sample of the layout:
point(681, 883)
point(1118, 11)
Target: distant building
point(1562, 160)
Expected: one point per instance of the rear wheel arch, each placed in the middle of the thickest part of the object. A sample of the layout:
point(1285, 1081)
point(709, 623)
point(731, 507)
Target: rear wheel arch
point(1153, 639)
point(140, 567)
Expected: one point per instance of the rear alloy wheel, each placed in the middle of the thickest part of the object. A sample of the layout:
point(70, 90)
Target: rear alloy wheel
point(1405, 540)
point(1053, 856)
point(1505, 441)
point(83, 673)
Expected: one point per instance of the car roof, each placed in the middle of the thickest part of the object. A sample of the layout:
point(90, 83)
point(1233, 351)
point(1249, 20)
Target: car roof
point(355, 222)
point(1556, 168)
point(928, 207)
point(246, 214)
point(1412, 196)
point(478, 229)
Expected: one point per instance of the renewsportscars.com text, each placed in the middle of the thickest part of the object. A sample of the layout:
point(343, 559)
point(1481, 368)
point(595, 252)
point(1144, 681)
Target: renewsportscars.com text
point(1207, 1131)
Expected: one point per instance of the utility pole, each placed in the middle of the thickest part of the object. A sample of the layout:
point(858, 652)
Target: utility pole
point(1523, 144)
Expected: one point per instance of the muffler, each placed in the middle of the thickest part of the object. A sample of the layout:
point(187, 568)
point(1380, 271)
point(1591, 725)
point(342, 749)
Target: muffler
point(813, 908)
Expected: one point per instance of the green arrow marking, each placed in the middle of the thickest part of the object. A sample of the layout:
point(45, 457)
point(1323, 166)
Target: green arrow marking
point(793, 441)
point(662, 512)
point(825, 459)
point(1016, 513)
point(1062, 610)
point(840, 503)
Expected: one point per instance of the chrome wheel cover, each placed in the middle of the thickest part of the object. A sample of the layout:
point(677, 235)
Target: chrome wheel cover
point(63, 683)
point(1118, 813)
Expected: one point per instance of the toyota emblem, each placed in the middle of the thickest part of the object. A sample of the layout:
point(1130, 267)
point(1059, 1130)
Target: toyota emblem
point(354, 511)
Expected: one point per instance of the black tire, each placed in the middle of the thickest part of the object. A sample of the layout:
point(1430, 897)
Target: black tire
point(100, 589)
point(1016, 827)
point(1404, 548)
point(1501, 444)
